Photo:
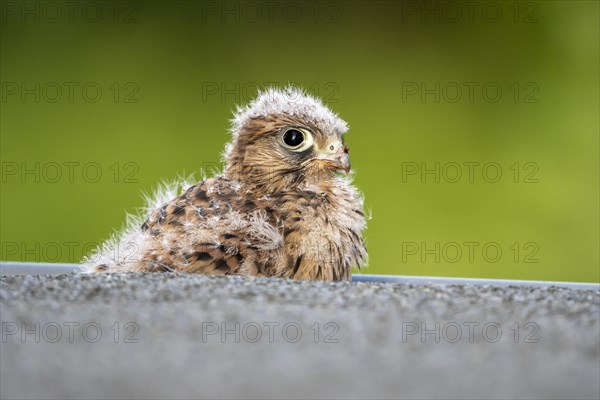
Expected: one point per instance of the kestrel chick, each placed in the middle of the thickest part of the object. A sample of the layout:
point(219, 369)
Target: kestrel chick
point(281, 207)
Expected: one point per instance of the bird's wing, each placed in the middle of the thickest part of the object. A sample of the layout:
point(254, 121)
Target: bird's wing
point(212, 228)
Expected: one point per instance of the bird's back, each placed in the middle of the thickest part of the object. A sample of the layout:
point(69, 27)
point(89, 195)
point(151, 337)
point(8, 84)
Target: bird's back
point(220, 227)
point(214, 227)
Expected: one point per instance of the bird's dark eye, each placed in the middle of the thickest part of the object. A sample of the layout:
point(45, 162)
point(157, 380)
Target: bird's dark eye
point(293, 138)
point(297, 139)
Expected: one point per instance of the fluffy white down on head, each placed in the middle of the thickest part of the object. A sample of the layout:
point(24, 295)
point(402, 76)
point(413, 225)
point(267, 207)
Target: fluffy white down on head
point(290, 101)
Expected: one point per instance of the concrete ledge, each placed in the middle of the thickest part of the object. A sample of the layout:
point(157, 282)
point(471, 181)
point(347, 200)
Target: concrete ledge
point(345, 340)
point(23, 268)
point(422, 280)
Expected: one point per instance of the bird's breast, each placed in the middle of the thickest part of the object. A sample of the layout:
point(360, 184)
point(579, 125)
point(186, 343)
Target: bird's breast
point(322, 229)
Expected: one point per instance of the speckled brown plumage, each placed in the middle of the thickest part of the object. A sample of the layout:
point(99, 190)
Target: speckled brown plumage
point(277, 209)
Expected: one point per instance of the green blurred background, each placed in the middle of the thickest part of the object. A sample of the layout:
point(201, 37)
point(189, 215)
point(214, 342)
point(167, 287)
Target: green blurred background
point(170, 74)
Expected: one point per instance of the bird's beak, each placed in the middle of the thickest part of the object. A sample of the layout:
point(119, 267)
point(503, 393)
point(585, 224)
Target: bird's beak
point(339, 160)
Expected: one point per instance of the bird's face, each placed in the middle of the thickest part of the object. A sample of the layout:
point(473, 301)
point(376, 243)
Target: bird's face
point(313, 150)
point(279, 151)
point(286, 138)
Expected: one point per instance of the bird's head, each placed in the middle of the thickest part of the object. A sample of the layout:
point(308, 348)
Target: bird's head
point(285, 138)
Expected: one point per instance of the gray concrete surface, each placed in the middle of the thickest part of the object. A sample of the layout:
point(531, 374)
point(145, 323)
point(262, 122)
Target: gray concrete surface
point(28, 268)
point(370, 341)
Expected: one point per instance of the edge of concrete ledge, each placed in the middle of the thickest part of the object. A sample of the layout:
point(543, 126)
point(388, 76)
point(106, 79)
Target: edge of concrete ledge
point(24, 268)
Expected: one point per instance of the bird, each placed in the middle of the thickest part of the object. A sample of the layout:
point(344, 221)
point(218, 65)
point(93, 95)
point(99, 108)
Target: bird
point(283, 206)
